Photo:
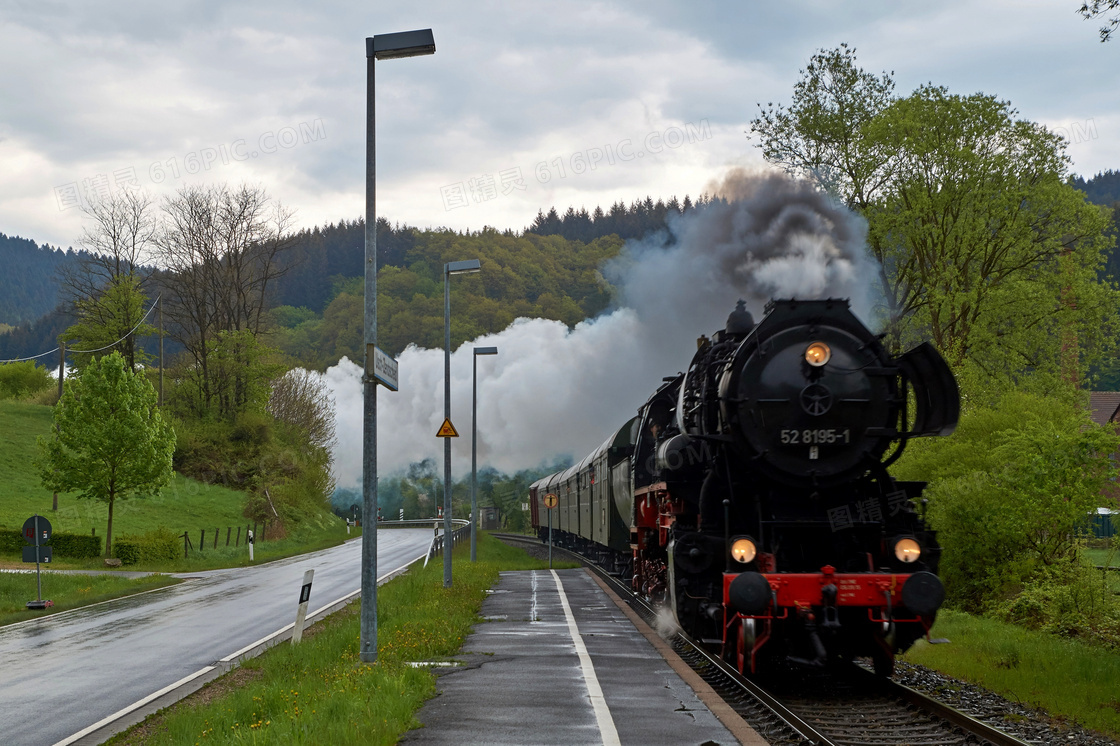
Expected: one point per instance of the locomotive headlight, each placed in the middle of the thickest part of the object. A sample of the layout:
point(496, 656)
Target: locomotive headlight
point(817, 354)
point(743, 550)
point(907, 550)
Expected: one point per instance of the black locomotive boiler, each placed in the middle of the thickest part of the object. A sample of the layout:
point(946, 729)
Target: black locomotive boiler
point(751, 495)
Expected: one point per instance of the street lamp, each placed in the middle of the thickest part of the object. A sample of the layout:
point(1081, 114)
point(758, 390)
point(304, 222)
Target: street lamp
point(381, 47)
point(474, 447)
point(451, 268)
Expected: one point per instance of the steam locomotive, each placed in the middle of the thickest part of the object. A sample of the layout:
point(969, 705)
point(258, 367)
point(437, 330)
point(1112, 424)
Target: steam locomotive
point(750, 495)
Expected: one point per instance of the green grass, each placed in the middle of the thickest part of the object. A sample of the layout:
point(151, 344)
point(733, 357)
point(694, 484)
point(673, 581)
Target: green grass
point(1063, 677)
point(319, 692)
point(1103, 557)
point(185, 505)
point(66, 591)
point(312, 536)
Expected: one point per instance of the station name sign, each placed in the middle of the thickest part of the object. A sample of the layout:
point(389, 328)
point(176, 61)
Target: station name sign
point(384, 369)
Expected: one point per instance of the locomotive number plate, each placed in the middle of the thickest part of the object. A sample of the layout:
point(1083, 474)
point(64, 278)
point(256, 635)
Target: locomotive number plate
point(823, 436)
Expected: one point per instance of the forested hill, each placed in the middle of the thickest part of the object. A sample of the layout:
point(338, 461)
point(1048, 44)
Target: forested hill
point(320, 256)
point(28, 284)
point(1102, 189)
point(522, 276)
point(549, 269)
point(641, 218)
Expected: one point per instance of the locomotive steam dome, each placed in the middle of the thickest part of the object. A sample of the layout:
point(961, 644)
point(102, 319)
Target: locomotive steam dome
point(812, 393)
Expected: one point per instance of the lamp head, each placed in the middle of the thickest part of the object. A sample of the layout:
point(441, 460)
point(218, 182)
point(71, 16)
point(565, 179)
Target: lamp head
point(464, 267)
point(401, 44)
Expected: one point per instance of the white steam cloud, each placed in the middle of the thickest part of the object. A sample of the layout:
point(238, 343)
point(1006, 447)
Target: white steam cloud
point(553, 391)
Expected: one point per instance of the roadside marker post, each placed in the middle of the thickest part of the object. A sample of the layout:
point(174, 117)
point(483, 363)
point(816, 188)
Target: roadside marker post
point(250, 546)
point(301, 613)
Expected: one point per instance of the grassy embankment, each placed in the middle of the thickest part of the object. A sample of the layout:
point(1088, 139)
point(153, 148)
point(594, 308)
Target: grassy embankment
point(1066, 678)
point(185, 505)
point(319, 692)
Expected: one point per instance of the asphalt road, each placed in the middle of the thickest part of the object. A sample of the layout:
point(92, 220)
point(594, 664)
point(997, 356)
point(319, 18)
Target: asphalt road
point(65, 672)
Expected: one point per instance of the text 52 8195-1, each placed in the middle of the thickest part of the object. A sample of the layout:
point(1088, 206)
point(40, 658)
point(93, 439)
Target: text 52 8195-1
point(822, 436)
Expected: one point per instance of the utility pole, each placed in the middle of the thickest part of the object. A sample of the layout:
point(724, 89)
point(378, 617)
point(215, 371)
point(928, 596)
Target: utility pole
point(61, 374)
point(161, 350)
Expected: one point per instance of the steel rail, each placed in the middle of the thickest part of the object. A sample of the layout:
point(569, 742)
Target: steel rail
point(965, 722)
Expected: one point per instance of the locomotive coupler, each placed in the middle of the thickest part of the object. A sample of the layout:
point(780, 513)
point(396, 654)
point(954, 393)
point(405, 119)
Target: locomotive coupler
point(809, 623)
point(830, 615)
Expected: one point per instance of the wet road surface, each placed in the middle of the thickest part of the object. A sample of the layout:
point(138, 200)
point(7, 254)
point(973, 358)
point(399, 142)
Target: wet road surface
point(65, 672)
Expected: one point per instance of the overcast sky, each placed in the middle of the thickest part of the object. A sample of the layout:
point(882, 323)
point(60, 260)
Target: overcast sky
point(505, 119)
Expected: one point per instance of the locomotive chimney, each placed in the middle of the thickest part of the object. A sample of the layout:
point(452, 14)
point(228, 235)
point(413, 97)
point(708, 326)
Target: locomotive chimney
point(740, 322)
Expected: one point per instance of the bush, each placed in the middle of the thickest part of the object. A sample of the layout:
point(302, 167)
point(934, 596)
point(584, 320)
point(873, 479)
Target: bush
point(19, 380)
point(76, 546)
point(71, 546)
point(161, 545)
point(1069, 600)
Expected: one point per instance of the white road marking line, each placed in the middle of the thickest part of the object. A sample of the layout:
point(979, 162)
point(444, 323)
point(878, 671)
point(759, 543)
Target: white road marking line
point(233, 656)
point(134, 706)
point(598, 702)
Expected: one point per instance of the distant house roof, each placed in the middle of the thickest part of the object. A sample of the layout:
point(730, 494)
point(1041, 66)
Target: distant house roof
point(1104, 406)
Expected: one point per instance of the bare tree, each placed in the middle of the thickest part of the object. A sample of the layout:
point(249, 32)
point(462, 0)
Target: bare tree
point(221, 248)
point(105, 291)
point(302, 400)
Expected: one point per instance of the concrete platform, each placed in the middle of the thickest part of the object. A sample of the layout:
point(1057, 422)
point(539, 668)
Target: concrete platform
point(561, 661)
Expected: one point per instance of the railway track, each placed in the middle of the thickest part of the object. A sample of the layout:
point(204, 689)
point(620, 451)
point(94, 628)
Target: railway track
point(852, 709)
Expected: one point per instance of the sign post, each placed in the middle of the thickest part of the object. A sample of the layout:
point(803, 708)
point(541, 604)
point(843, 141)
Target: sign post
point(550, 501)
point(37, 532)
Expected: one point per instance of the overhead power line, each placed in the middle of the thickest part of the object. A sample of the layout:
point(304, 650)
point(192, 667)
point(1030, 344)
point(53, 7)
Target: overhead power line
point(99, 349)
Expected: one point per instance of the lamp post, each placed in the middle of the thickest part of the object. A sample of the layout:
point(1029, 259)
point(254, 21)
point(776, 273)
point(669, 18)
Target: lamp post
point(451, 268)
point(381, 47)
point(474, 447)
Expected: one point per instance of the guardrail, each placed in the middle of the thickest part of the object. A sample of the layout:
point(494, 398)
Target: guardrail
point(462, 532)
point(422, 523)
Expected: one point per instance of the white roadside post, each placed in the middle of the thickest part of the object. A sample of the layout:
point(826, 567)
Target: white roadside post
point(301, 614)
point(250, 545)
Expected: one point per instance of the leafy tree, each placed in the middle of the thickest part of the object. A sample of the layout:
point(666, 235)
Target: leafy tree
point(1096, 8)
point(237, 379)
point(981, 241)
point(112, 442)
point(822, 135)
point(111, 321)
point(982, 244)
point(1011, 490)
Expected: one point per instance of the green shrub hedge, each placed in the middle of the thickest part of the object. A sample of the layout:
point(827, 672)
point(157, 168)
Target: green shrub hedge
point(73, 546)
point(160, 545)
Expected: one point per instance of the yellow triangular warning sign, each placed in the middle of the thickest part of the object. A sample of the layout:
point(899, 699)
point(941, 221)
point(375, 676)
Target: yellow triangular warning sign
point(447, 430)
